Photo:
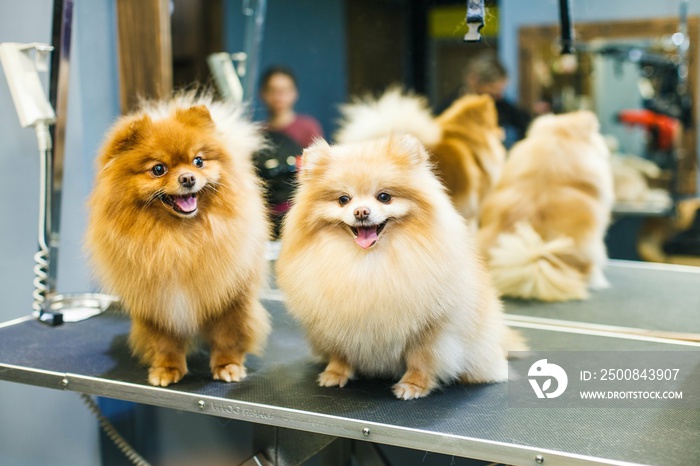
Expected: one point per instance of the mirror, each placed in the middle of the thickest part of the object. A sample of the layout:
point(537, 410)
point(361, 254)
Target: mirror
point(603, 78)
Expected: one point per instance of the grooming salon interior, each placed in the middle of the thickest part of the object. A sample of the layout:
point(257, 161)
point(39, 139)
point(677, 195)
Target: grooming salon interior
point(350, 232)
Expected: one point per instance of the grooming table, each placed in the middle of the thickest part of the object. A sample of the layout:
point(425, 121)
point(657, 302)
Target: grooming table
point(281, 398)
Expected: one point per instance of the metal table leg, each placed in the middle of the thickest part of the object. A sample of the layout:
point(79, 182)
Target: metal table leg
point(287, 447)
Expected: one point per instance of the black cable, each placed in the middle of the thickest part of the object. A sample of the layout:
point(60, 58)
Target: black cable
point(567, 42)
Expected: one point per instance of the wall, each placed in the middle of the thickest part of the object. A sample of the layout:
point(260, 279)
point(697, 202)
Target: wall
point(308, 36)
point(42, 426)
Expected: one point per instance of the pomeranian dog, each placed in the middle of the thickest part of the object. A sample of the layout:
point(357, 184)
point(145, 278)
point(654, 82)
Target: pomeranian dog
point(464, 141)
point(470, 155)
point(177, 229)
point(382, 272)
point(543, 227)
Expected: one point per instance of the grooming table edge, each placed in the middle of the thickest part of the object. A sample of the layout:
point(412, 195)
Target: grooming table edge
point(295, 419)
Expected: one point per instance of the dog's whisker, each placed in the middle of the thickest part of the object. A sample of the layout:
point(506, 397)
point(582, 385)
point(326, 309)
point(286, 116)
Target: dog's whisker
point(217, 184)
point(153, 197)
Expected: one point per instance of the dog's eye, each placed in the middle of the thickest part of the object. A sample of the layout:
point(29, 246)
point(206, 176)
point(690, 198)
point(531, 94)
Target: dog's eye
point(384, 197)
point(342, 200)
point(198, 162)
point(159, 170)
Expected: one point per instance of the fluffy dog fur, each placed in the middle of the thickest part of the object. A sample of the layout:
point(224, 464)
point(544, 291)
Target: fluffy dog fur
point(183, 249)
point(382, 272)
point(542, 229)
point(464, 141)
point(631, 175)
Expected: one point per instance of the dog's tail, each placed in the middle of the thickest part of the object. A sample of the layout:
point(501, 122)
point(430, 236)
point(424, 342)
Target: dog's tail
point(523, 265)
point(514, 341)
point(393, 112)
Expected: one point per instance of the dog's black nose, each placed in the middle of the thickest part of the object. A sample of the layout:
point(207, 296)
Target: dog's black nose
point(187, 180)
point(362, 213)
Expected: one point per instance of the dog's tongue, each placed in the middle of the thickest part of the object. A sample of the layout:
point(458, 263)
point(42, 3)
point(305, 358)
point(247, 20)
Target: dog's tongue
point(366, 237)
point(186, 203)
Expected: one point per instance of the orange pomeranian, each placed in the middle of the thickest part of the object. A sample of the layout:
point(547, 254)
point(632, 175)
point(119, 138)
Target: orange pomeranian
point(381, 270)
point(464, 141)
point(542, 228)
point(177, 230)
point(470, 155)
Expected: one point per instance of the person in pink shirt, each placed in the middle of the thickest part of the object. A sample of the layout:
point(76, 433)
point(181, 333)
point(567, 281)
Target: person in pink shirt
point(287, 133)
point(279, 93)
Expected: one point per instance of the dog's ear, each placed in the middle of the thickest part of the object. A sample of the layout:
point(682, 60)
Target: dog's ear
point(313, 158)
point(470, 110)
point(483, 111)
point(579, 124)
point(195, 116)
point(542, 124)
point(408, 147)
point(586, 121)
point(127, 133)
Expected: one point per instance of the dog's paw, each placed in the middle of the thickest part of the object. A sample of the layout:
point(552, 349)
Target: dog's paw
point(230, 372)
point(330, 378)
point(409, 391)
point(164, 376)
point(597, 280)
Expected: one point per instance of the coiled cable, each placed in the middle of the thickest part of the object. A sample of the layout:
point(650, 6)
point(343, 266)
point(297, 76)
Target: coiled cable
point(113, 434)
point(41, 258)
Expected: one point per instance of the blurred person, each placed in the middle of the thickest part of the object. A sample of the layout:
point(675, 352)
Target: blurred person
point(279, 93)
point(287, 134)
point(484, 74)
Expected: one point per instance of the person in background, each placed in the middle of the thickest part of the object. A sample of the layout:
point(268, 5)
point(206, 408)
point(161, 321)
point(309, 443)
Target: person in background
point(278, 91)
point(484, 74)
point(287, 134)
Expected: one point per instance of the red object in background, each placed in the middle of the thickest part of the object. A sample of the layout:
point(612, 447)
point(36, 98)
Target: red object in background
point(663, 128)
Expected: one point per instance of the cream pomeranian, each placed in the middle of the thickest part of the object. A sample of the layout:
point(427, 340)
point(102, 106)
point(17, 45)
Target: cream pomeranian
point(542, 229)
point(381, 270)
point(177, 230)
point(464, 141)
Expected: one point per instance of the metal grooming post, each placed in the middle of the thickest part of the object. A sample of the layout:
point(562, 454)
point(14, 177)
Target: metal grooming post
point(58, 97)
point(475, 20)
point(567, 42)
point(53, 305)
point(49, 121)
point(255, 11)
